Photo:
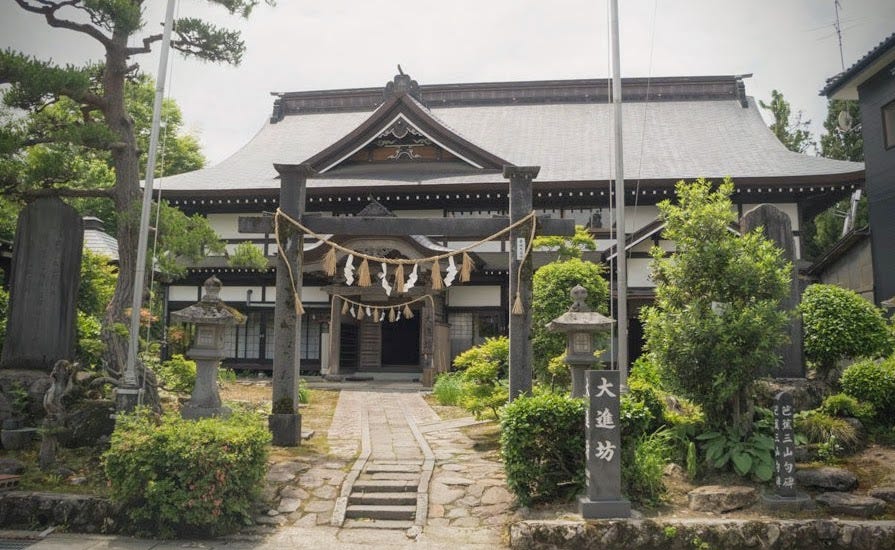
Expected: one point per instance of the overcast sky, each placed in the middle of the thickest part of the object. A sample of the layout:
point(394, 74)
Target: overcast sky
point(299, 45)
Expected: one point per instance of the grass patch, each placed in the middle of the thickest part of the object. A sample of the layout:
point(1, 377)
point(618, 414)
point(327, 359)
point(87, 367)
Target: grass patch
point(84, 462)
point(445, 412)
point(485, 437)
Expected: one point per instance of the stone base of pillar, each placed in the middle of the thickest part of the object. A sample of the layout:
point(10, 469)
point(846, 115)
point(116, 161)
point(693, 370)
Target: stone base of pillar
point(192, 413)
point(801, 501)
point(603, 509)
point(127, 399)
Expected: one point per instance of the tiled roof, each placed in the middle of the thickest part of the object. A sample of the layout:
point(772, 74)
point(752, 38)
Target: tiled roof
point(842, 78)
point(571, 141)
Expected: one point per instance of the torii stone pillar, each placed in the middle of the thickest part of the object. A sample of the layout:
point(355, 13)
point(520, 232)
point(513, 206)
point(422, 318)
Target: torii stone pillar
point(287, 325)
point(520, 325)
point(777, 227)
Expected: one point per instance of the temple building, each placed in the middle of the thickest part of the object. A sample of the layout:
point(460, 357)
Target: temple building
point(437, 151)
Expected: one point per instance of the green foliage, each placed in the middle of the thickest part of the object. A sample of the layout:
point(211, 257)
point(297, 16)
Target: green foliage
point(843, 405)
point(542, 447)
point(90, 346)
point(642, 472)
point(819, 427)
point(839, 324)
point(715, 325)
point(249, 256)
point(873, 382)
point(483, 376)
point(304, 392)
point(177, 374)
point(551, 285)
point(495, 351)
point(183, 237)
point(98, 278)
point(790, 130)
point(567, 248)
point(559, 371)
point(448, 388)
point(692, 461)
point(749, 455)
point(181, 477)
point(836, 143)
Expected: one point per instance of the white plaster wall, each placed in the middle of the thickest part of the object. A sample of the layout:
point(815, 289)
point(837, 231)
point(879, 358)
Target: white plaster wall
point(638, 273)
point(227, 226)
point(237, 294)
point(473, 296)
point(182, 293)
point(312, 294)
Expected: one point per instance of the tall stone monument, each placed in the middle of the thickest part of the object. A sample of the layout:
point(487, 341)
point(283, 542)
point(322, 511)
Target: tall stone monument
point(777, 227)
point(46, 271)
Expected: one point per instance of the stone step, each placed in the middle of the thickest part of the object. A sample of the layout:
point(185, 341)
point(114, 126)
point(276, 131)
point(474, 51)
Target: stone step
point(392, 476)
point(392, 468)
point(377, 524)
point(383, 498)
point(384, 486)
point(380, 512)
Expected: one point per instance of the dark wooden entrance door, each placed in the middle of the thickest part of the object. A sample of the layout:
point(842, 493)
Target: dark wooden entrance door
point(401, 344)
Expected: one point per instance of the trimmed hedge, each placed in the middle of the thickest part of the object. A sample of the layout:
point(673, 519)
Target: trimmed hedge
point(872, 382)
point(178, 477)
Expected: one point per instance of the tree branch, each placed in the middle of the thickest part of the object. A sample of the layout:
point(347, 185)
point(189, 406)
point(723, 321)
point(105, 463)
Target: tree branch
point(49, 12)
point(147, 45)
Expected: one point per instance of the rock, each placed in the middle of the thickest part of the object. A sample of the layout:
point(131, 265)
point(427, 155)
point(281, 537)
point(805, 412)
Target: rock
point(673, 470)
point(496, 495)
point(883, 493)
point(288, 505)
point(294, 492)
point(279, 476)
point(439, 493)
point(11, 466)
point(272, 513)
point(327, 492)
point(414, 532)
point(720, 499)
point(455, 480)
point(827, 479)
point(855, 505)
point(307, 520)
point(270, 520)
point(87, 422)
point(78, 480)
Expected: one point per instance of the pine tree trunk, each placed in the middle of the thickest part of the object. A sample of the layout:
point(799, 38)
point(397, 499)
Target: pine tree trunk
point(126, 196)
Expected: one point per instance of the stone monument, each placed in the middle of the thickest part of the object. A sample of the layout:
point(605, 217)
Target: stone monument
point(46, 271)
point(211, 317)
point(785, 494)
point(777, 227)
point(580, 325)
point(603, 448)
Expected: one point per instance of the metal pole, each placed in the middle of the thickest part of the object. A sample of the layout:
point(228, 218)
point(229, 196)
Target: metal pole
point(621, 258)
point(130, 372)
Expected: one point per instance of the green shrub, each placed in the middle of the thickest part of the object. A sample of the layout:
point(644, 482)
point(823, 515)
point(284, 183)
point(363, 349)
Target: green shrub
point(846, 406)
point(483, 374)
point(177, 374)
point(872, 382)
point(839, 324)
point(247, 255)
point(448, 388)
point(492, 350)
point(819, 427)
point(90, 346)
point(304, 392)
point(542, 446)
point(747, 455)
point(180, 477)
point(643, 470)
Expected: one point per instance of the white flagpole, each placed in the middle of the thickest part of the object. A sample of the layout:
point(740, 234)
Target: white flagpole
point(621, 260)
point(130, 372)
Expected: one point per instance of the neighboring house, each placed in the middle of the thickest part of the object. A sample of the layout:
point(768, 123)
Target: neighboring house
point(848, 264)
point(438, 151)
point(98, 241)
point(871, 81)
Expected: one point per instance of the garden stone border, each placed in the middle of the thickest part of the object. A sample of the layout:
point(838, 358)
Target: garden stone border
point(78, 513)
point(682, 534)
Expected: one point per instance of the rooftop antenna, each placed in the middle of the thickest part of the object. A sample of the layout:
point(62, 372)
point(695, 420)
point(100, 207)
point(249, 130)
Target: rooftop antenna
point(836, 25)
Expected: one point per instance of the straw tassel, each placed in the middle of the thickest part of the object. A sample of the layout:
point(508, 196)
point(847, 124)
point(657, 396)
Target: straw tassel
point(329, 262)
point(391, 315)
point(466, 268)
point(437, 281)
point(408, 313)
point(360, 313)
point(399, 279)
point(363, 274)
point(299, 309)
point(345, 306)
point(517, 305)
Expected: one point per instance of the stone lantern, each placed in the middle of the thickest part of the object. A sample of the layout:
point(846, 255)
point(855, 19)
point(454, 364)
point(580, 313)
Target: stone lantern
point(211, 317)
point(580, 325)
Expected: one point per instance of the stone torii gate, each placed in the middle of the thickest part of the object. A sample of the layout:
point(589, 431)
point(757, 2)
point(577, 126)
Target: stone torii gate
point(293, 192)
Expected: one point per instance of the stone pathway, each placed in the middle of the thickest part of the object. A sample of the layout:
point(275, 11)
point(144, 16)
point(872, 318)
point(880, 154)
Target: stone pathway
point(395, 474)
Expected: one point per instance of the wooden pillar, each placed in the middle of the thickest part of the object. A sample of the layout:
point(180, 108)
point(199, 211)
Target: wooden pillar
point(520, 325)
point(335, 335)
point(287, 325)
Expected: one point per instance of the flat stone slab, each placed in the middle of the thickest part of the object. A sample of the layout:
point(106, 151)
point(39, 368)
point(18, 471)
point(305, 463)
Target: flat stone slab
point(827, 479)
point(720, 498)
point(855, 505)
point(883, 493)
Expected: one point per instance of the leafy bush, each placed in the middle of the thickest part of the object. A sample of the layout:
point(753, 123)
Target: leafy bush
point(716, 324)
point(90, 346)
point(247, 255)
point(177, 374)
point(872, 382)
point(551, 285)
point(180, 477)
point(542, 446)
point(748, 455)
point(483, 374)
point(839, 324)
point(846, 406)
point(642, 472)
point(819, 427)
point(448, 388)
